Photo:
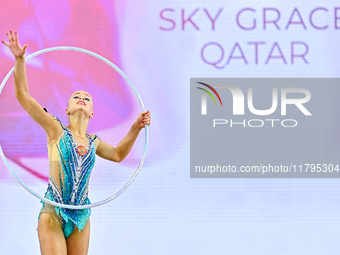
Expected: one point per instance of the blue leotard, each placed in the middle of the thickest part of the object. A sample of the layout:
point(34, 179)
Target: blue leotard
point(69, 179)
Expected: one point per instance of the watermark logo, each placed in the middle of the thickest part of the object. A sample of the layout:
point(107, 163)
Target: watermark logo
point(204, 97)
point(283, 96)
point(263, 128)
point(238, 100)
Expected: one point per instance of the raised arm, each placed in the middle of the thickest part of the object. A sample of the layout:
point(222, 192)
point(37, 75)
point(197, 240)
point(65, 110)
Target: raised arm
point(21, 87)
point(117, 154)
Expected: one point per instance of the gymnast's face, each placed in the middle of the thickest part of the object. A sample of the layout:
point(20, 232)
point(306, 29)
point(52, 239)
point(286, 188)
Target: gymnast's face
point(80, 101)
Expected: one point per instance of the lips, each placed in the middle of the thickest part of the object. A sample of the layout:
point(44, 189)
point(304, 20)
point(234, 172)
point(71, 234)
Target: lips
point(81, 102)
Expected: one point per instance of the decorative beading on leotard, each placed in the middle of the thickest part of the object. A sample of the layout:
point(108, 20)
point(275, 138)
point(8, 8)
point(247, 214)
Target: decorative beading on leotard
point(74, 172)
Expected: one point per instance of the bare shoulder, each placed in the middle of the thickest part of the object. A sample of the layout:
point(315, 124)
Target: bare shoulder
point(105, 150)
point(96, 139)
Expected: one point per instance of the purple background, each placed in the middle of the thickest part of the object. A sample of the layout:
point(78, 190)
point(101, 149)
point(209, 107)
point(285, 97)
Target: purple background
point(160, 49)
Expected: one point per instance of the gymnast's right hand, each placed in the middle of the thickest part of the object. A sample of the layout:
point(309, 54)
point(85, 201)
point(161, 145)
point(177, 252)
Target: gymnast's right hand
point(14, 45)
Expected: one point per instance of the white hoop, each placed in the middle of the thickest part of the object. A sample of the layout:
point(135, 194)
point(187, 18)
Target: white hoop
point(146, 132)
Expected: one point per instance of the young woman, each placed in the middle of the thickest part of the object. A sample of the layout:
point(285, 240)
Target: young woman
point(71, 153)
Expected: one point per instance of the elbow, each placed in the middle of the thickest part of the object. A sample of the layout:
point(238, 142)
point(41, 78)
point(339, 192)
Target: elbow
point(21, 96)
point(117, 158)
point(120, 159)
point(18, 96)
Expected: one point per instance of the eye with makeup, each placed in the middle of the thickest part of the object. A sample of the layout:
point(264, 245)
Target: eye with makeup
point(86, 98)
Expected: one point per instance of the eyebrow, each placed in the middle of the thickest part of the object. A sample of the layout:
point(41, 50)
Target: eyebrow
point(79, 93)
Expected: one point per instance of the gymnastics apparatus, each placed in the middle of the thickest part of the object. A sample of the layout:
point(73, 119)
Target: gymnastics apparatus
point(66, 205)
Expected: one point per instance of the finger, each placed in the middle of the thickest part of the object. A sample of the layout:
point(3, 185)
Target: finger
point(8, 37)
point(5, 43)
point(16, 37)
point(25, 46)
point(11, 33)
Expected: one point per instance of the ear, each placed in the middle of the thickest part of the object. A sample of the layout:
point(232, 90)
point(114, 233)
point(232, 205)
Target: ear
point(67, 112)
point(91, 115)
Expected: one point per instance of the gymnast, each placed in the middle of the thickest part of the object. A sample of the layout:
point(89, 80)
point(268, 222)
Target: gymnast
point(71, 153)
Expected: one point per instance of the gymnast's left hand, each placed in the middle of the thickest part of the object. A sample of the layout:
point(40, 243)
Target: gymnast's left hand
point(144, 118)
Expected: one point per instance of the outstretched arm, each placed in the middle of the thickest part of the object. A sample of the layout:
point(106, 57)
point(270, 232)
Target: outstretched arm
point(20, 79)
point(21, 86)
point(119, 153)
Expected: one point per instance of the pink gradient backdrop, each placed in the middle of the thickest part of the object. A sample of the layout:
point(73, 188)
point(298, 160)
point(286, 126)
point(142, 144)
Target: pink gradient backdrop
point(54, 76)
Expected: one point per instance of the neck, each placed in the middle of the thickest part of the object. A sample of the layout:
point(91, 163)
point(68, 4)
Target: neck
point(78, 124)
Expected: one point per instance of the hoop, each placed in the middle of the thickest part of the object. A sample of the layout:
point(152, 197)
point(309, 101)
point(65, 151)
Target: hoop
point(146, 132)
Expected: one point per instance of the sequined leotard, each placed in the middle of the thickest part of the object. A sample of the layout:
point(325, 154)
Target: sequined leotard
point(68, 180)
